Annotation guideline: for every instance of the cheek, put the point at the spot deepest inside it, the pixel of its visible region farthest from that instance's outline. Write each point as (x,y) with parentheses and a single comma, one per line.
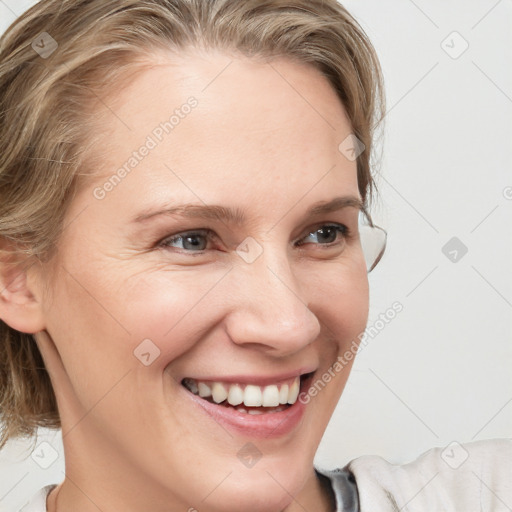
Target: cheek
(104,324)
(114,310)
(175,309)
(344,314)
(340,296)
(353,314)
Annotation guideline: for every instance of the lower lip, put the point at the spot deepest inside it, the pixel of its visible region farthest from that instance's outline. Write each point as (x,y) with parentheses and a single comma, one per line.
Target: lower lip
(269,425)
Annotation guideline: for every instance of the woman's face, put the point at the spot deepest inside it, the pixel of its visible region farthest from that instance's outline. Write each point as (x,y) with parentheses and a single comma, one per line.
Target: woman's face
(259,298)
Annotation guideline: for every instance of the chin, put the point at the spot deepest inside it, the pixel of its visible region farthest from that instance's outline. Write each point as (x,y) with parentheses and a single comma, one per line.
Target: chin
(249,499)
(270,488)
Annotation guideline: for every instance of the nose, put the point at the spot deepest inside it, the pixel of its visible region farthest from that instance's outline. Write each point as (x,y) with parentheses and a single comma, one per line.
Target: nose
(269,311)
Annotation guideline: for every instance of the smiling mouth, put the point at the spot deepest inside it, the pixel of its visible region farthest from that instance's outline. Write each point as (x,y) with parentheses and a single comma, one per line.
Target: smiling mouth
(249,398)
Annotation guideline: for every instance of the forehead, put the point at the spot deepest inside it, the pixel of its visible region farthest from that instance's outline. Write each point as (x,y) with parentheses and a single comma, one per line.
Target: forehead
(223,121)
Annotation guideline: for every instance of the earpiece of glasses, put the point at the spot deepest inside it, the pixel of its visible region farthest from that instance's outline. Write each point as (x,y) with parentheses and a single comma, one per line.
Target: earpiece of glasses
(373,240)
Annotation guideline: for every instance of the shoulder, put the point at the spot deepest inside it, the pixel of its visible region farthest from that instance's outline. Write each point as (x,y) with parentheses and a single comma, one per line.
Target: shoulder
(474,476)
(38,501)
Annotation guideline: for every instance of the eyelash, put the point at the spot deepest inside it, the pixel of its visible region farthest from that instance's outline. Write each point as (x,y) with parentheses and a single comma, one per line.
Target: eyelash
(164,244)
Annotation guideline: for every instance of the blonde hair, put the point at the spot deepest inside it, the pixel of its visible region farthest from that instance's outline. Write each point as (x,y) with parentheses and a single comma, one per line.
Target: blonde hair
(48,88)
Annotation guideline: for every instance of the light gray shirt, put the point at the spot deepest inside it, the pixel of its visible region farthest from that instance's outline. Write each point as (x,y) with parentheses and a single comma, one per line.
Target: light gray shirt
(472,477)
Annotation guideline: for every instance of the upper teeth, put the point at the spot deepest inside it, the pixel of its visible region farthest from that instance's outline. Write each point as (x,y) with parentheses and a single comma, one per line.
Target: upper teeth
(250,395)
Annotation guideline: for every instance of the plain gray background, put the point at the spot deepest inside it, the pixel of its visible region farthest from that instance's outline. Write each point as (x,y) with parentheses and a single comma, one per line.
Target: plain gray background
(440,371)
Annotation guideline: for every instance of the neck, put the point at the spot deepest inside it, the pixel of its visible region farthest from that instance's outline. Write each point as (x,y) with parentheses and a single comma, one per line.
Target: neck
(316,495)
(51,499)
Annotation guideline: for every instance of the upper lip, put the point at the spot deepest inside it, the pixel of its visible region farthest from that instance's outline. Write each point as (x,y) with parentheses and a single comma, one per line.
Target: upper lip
(259,380)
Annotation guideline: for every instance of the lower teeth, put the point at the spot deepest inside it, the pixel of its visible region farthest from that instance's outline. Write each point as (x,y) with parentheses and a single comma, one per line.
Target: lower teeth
(257,410)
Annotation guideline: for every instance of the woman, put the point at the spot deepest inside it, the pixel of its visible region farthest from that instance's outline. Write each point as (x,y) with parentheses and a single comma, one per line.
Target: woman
(184,196)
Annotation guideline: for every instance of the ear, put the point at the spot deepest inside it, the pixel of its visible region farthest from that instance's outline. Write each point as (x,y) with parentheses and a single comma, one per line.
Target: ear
(20,306)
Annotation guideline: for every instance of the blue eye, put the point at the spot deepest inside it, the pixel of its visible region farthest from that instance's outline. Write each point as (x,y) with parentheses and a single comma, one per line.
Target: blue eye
(190,239)
(329,233)
(198,239)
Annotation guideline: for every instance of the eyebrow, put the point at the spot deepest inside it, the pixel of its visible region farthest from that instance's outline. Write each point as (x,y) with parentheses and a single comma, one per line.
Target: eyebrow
(236,215)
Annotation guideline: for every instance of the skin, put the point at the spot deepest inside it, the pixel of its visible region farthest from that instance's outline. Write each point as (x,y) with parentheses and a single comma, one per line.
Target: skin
(254,141)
